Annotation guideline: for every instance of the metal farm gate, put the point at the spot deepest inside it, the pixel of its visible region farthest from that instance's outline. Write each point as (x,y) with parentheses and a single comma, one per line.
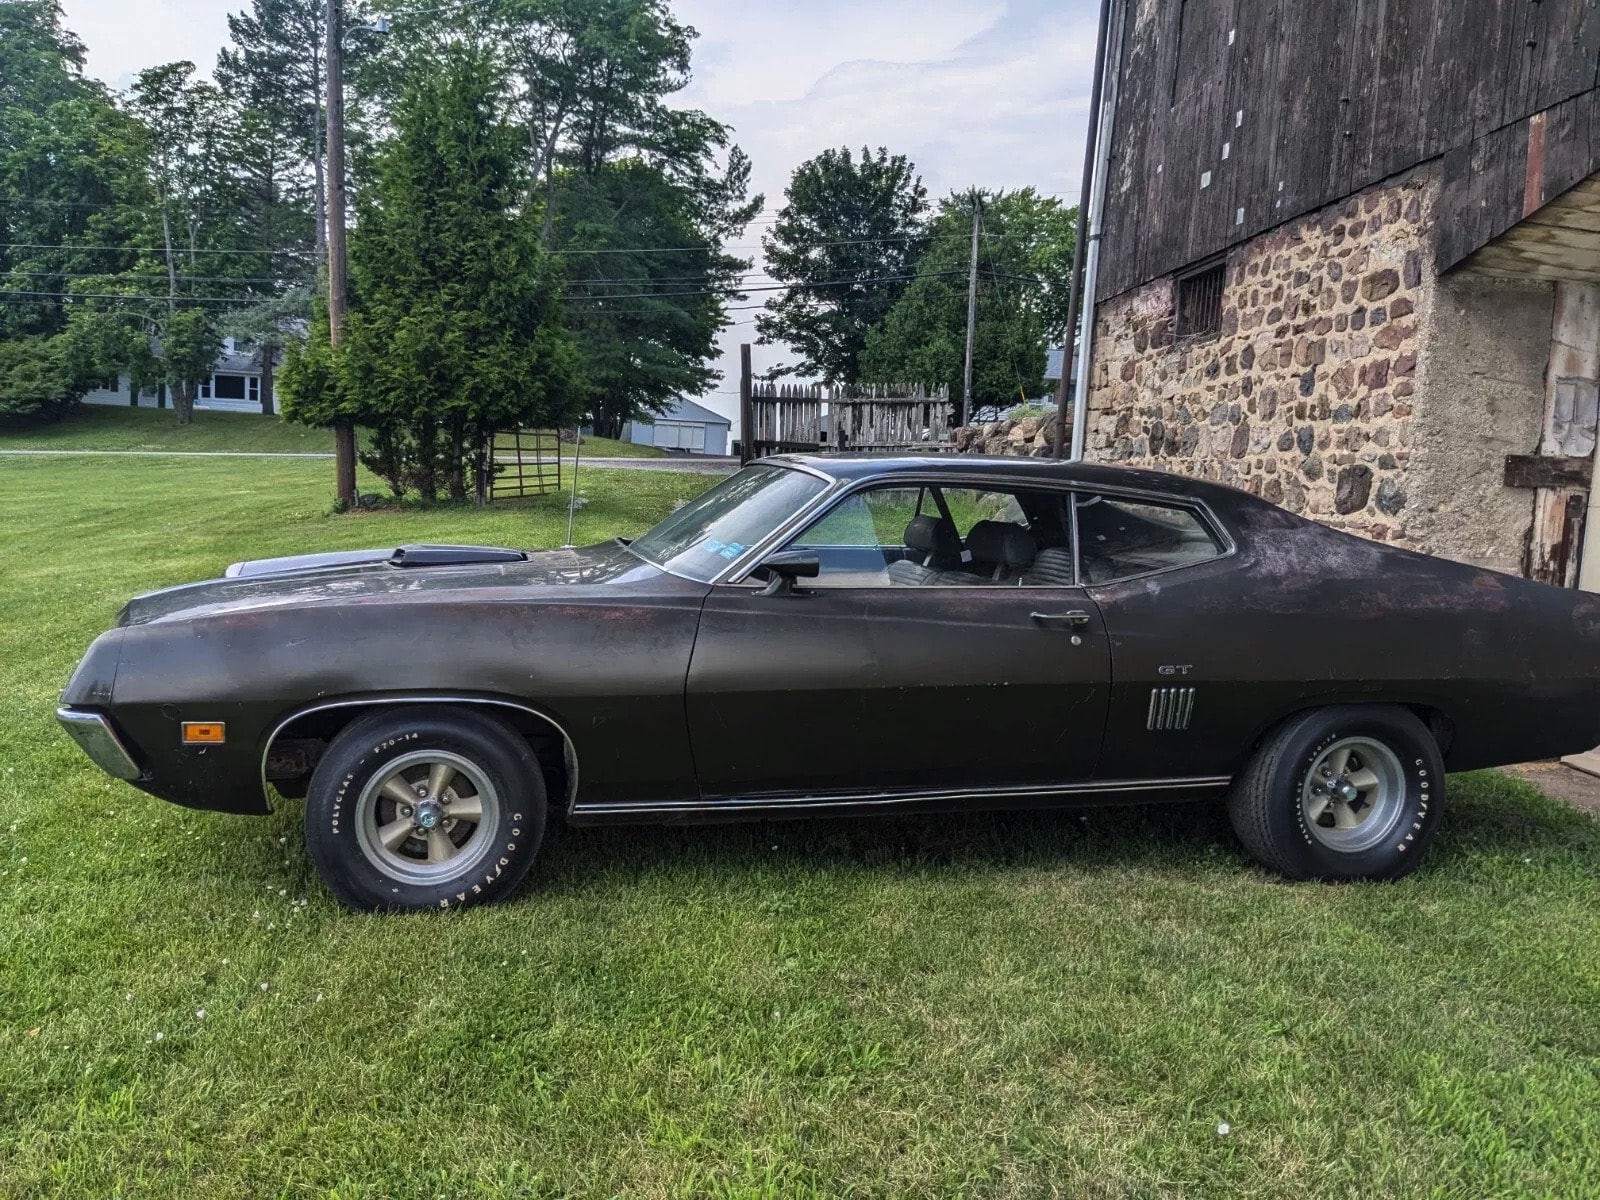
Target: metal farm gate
(527,462)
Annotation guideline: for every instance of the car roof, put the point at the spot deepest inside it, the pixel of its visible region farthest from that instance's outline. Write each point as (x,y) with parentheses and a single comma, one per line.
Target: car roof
(1014,469)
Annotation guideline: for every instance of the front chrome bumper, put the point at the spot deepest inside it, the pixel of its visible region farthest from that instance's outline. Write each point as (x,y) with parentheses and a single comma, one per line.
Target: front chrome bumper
(95,736)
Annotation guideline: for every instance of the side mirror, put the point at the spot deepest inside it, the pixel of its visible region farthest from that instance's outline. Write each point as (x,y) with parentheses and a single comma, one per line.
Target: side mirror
(786,566)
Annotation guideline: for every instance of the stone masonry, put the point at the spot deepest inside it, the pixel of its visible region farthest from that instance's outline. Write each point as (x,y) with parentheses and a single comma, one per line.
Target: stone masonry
(1306,395)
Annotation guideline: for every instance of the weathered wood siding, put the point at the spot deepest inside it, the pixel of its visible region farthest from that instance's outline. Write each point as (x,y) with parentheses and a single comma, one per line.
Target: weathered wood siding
(1234,116)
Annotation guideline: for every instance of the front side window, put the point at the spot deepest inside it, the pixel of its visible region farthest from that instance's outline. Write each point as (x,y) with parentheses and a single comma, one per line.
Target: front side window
(713,531)
(1121,538)
(920,535)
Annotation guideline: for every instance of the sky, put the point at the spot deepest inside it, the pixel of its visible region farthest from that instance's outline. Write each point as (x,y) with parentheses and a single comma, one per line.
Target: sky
(990,93)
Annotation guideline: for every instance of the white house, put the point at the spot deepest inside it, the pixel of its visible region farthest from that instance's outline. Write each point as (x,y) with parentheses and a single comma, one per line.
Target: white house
(234,386)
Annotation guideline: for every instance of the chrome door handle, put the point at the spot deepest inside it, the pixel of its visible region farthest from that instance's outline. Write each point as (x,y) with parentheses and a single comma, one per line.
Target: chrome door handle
(1067,620)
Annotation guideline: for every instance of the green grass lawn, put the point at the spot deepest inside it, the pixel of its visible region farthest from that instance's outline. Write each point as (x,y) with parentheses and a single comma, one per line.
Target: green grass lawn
(110,427)
(1064,1004)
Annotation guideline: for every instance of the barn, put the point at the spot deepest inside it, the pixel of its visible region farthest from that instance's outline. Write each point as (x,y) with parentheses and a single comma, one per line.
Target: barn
(1350,260)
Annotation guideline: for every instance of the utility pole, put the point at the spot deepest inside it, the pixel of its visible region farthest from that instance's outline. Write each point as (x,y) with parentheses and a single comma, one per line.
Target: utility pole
(344,433)
(747,418)
(964,413)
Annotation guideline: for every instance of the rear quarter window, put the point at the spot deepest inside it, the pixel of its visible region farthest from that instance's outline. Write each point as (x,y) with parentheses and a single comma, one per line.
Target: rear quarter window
(1119,538)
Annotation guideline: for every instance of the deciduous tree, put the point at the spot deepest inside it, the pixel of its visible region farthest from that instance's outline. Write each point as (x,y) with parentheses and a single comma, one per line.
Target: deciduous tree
(1024,254)
(844,243)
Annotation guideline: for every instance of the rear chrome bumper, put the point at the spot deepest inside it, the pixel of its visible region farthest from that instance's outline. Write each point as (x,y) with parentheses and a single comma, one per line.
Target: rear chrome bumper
(95,736)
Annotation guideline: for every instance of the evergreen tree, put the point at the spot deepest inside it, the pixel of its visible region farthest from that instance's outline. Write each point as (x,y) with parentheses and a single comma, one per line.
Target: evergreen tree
(636,195)
(455,329)
(277,68)
(844,242)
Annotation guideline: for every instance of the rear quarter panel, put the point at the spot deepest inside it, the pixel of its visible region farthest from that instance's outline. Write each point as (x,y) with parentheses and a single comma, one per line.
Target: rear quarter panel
(1302,615)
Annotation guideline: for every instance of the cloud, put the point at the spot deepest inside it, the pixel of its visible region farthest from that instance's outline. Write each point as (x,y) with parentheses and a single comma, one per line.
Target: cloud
(776,51)
(126,36)
(973,93)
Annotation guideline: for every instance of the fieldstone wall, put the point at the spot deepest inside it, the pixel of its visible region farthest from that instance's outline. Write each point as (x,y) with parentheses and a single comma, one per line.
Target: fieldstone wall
(1025,437)
(1307,395)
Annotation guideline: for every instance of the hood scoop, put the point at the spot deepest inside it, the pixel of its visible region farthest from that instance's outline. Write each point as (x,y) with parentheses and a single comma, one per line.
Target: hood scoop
(448,556)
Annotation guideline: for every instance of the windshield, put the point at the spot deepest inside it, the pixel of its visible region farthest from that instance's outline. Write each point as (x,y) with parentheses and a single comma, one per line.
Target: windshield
(704,537)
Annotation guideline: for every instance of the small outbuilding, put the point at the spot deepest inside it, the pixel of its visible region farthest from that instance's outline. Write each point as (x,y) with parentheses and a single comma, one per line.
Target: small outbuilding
(685,428)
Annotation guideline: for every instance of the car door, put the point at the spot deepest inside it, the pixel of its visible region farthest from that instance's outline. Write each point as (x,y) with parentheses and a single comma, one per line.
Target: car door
(941,676)
(1187,694)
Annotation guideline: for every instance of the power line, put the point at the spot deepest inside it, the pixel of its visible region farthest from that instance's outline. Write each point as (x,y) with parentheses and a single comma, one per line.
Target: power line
(564,253)
(152,299)
(147,249)
(143,275)
(734,246)
(607,312)
(783,287)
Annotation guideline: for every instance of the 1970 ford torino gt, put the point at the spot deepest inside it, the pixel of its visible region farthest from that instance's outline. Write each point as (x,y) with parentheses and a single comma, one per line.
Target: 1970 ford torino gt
(843,636)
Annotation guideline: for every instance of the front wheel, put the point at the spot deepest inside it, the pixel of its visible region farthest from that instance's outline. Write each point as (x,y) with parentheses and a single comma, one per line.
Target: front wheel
(425,807)
(1348,792)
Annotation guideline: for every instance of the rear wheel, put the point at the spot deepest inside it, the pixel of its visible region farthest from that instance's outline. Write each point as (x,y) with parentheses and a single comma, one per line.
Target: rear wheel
(1348,792)
(425,807)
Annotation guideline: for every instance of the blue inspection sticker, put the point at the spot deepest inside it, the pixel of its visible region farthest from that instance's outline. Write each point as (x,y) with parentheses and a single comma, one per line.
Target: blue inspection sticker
(732,550)
(712,546)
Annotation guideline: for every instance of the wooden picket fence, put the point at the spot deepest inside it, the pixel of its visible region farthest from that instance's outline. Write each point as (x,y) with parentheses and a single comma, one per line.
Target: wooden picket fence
(788,418)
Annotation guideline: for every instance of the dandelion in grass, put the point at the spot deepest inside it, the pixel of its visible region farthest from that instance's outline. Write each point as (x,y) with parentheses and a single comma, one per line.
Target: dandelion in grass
(1223,1129)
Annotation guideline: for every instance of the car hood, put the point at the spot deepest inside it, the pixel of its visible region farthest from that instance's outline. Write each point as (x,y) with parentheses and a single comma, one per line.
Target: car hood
(363,574)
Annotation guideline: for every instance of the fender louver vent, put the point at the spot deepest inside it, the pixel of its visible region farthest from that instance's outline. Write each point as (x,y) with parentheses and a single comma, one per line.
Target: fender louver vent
(1170,708)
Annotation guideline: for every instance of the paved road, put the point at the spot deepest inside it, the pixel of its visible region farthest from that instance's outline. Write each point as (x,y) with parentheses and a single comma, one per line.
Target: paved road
(698,464)
(164,453)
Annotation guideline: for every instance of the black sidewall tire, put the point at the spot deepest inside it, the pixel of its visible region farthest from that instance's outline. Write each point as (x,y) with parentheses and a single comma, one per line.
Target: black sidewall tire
(370,744)
(1294,750)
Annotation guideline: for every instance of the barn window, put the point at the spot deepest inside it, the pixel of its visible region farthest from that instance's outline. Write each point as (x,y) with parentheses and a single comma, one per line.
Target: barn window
(1199,301)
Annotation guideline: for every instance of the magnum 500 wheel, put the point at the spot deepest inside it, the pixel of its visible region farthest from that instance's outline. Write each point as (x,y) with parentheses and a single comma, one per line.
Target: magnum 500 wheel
(1349,792)
(425,807)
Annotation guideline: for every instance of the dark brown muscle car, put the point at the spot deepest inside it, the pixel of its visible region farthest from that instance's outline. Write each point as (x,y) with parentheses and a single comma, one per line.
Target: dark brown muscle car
(844,636)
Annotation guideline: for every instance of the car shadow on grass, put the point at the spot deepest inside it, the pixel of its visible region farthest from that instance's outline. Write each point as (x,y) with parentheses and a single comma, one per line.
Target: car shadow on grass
(1487,815)
(1489,818)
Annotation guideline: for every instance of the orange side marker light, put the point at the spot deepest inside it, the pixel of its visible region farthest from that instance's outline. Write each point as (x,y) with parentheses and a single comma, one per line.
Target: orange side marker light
(203,733)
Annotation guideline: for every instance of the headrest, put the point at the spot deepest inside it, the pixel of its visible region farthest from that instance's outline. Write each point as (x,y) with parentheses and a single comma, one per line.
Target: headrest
(936,537)
(1002,543)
